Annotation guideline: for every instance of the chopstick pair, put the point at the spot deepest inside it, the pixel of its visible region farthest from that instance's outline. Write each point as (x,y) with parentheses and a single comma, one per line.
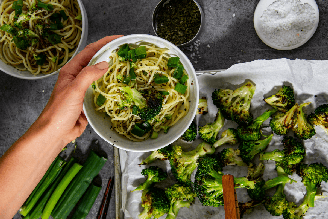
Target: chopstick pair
(231,207)
(106,199)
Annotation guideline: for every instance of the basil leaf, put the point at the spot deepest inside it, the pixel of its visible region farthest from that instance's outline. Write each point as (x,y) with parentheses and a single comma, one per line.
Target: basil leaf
(132,55)
(100,100)
(184,79)
(141,52)
(178,72)
(160,79)
(123,51)
(180,88)
(173,62)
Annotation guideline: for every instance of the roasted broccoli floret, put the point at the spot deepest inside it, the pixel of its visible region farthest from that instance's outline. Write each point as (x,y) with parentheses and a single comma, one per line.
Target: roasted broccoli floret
(154,174)
(320,117)
(183,163)
(312,176)
(154,105)
(302,128)
(255,171)
(160,154)
(253,131)
(202,106)
(155,203)
(229,156)
(248,149)
(208,181)
(209,131)
(292,154)
(179,196)
(228,136)
(277,204)
(235,104)
(283,100)
(258,193)
(281,122)
(191,133)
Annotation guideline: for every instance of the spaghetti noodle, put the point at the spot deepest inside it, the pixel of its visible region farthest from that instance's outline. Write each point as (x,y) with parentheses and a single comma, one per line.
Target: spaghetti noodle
(39,36)
(136,77)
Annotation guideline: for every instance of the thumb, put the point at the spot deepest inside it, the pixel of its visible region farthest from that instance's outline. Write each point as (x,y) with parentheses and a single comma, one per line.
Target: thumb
(88,75)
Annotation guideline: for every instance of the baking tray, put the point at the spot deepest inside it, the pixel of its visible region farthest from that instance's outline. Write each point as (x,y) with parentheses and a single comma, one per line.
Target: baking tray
(117,165)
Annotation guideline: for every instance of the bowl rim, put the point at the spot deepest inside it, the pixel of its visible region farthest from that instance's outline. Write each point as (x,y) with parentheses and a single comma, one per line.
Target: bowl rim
(122,40)
(80,46)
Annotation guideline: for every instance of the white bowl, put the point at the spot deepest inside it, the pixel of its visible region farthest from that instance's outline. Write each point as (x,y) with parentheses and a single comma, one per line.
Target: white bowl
(263,5)
(27,75)
(102,124)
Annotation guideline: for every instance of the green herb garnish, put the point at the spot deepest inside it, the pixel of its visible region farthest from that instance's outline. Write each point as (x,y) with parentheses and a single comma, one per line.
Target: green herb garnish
(141,52)
(184,79)
(132,74)
(160,79)
(178,21)
(178,72)
(173,62)
(180,88)
(100,100)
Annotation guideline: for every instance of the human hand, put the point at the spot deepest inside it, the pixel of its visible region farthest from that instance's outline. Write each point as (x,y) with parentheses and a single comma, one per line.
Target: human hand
(64,110)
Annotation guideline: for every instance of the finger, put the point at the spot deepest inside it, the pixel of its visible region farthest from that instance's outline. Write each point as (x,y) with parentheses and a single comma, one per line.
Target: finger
(83,58)
(87,76)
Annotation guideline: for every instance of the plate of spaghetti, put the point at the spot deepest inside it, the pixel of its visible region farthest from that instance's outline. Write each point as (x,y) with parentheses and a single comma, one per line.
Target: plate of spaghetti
(147,98)
(38,37)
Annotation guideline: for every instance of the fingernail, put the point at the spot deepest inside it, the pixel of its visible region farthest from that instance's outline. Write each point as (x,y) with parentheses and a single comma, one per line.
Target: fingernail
(102,65)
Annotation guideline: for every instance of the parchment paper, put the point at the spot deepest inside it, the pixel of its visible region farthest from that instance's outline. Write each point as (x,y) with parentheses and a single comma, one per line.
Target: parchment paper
(309,80)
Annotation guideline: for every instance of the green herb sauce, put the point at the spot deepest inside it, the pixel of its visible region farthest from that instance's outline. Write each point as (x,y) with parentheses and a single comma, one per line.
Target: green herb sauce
(178,21)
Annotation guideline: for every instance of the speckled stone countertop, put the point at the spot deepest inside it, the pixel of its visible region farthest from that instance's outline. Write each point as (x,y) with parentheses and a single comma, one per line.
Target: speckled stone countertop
(227,37)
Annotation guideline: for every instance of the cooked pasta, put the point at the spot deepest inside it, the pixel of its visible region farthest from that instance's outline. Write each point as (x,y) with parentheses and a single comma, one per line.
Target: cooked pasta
(125,92)
(39,36)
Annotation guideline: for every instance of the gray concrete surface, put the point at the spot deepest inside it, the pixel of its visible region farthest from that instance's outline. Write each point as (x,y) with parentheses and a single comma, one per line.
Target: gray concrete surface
(227,37)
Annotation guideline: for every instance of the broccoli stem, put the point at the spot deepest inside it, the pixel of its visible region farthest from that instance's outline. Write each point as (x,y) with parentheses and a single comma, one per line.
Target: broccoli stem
(311,191)
(174,210)
(153,156)
(275,155)
(282,179)
(243,182)
(260,145)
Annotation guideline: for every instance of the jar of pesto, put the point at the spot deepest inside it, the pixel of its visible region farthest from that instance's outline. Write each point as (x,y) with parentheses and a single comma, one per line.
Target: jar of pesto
(178,21)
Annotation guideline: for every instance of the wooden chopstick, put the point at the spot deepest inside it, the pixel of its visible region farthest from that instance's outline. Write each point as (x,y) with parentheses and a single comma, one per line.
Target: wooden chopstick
(106,199)
(230,198)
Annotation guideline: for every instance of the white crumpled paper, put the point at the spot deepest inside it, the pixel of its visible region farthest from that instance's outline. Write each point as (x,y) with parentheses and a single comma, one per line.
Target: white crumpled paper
(309,80)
